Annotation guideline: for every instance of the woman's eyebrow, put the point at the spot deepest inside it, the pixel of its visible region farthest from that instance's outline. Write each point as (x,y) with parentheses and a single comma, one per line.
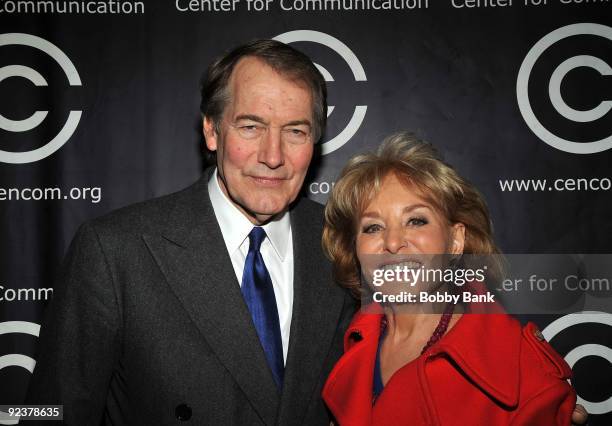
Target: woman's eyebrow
(416,206)
(369,214)
(409,208)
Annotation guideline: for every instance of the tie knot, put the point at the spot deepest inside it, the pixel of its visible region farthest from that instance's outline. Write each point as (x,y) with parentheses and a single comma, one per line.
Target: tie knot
(256,237)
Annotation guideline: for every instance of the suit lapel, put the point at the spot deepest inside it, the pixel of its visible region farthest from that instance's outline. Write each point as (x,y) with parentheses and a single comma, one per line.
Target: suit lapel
(192,255)
(316,310)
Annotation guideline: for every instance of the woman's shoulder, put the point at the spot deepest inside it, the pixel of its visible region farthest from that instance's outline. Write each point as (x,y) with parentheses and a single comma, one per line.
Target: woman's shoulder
(541,367)
(507,360)
(545,392)
(539,356)
(539,364)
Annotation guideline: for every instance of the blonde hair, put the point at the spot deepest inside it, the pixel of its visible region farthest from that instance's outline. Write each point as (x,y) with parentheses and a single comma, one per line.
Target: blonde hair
(418,164)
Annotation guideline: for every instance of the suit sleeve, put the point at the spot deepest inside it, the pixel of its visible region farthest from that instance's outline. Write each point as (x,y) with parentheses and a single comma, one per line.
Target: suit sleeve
(553,406)
(79,339)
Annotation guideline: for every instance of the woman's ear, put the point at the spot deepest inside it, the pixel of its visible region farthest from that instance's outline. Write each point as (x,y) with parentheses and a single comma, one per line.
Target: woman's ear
(457,238)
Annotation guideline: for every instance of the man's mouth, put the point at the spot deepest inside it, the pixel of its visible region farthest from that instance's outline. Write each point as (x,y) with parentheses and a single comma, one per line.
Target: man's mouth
(267,180)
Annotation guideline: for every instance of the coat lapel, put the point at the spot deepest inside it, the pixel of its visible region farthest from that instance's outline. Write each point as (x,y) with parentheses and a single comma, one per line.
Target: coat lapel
(317,306)
(348,390)
(192,255)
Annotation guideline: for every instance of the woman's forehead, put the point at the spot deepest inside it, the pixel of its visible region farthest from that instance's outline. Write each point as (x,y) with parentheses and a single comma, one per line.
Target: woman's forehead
(395,184)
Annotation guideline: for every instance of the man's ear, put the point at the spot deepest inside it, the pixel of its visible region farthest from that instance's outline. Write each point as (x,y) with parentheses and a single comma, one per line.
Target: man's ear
(457,238)
(210,133)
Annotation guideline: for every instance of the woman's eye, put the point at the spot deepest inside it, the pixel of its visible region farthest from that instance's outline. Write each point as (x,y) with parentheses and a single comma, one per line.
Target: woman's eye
(369,229)
(417,221)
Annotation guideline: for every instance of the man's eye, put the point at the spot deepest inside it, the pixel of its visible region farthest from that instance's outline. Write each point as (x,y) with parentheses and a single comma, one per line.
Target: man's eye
(295,135)
(250,131)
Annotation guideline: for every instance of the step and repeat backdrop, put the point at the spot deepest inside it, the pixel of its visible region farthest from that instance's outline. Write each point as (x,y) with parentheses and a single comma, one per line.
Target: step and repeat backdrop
(99,108)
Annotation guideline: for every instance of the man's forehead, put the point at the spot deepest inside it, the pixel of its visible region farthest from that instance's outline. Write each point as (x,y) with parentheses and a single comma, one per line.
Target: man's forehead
(247,68)
(250,69)
(253,80)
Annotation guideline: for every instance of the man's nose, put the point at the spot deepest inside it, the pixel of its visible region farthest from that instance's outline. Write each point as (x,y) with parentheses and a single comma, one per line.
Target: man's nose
(271,149)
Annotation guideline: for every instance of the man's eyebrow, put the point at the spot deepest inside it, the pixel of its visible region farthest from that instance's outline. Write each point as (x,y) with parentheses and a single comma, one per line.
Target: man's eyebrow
(250,117)
(299,123)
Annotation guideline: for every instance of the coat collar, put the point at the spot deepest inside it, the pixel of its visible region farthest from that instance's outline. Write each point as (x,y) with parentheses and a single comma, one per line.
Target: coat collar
(485,347)
(348,390)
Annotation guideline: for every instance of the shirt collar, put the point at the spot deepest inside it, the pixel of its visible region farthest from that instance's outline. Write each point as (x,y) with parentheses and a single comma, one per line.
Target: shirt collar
(235,227)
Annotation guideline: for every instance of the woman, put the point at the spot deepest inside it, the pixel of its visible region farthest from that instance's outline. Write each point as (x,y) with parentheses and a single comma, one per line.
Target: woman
(422,363)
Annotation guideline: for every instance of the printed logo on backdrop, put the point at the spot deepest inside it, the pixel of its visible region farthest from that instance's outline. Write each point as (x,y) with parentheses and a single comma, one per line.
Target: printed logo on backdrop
(557,82)
(359,112)
(603,405)
(17,360)
(25,124)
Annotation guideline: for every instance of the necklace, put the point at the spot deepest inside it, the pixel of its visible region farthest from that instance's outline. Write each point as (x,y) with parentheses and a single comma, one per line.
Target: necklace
(441,327)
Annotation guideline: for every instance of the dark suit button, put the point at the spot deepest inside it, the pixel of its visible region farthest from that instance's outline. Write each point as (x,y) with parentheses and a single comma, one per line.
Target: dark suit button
(183,412)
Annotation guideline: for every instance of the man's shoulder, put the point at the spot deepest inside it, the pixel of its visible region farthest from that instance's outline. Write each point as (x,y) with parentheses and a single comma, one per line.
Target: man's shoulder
(150,215)
(308,210)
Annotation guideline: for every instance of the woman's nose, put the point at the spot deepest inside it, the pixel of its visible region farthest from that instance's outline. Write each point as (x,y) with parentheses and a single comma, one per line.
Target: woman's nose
(395,239)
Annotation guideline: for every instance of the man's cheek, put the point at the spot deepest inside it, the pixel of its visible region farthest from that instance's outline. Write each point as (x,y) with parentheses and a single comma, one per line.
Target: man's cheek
(307,158)
(236,165)
(301,163)
(237,151)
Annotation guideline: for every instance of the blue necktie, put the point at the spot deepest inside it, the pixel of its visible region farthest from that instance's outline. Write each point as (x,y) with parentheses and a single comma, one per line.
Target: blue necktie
(258,294)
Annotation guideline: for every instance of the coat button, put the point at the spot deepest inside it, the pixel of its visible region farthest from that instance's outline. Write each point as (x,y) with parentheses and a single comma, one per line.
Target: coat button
(356,336)
(183,412)
(538,335)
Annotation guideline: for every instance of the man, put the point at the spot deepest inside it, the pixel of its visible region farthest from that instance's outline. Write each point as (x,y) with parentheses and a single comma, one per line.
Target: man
(213,305)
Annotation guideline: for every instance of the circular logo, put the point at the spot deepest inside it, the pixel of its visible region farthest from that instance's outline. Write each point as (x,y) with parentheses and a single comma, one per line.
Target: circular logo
(554,89)
(38,80)
(582,351)
(17,360)
(356,68)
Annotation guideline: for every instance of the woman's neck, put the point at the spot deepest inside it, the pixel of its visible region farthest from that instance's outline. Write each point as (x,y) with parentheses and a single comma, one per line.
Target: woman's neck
(416,321)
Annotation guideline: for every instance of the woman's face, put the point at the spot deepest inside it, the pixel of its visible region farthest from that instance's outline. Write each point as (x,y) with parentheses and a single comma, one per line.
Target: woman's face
(398,221)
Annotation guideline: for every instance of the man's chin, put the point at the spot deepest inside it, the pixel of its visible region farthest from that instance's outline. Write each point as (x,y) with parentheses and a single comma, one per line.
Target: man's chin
(269,213)
(260,209)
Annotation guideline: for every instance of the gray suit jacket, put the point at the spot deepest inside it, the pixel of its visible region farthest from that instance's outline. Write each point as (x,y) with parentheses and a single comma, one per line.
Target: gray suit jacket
(148,325)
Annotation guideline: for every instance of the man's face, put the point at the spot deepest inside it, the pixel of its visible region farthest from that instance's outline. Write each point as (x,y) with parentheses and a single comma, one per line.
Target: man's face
(264,145)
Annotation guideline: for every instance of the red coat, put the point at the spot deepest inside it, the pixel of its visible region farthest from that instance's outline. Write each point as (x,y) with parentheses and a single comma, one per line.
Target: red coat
(487,370)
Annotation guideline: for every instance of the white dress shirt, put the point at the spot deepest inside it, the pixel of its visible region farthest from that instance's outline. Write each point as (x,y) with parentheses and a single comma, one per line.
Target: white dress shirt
(276,250)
